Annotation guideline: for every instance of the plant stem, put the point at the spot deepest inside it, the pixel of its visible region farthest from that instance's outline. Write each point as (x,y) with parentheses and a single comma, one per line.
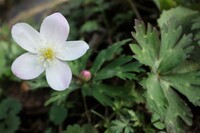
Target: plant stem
(86,109)
(132,4)
(60,128)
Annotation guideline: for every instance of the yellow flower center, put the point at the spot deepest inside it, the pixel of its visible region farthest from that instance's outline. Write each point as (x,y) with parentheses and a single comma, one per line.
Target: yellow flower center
(47,54)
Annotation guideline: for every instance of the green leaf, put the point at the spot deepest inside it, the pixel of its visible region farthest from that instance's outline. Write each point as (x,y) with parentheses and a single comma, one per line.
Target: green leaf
(60,96)
(167,104)
(106,94)
(78,65)
(40,82)
(187,66)
(120,67)
(89,128)
(148,49)
(2,57)
(155,96)
(90,26)
(171,72)
(173,44)
(9,106)
(196,29)
(137,93)
(177,112)
(86,128)
(57,114)
(74,129)
(196,24)
(155,120)
(48,130)
(106,55)
(165,4)
(186,83)
(119,126)
(182,15)
(101,95)
(10,124)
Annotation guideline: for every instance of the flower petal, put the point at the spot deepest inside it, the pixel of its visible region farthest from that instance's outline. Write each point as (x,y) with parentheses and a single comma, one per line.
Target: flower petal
(55,28)
(72,50)
(26,37)
(58,75)
(27,66)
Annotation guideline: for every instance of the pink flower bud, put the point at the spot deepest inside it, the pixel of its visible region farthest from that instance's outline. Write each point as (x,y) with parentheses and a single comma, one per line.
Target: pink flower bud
(86,75)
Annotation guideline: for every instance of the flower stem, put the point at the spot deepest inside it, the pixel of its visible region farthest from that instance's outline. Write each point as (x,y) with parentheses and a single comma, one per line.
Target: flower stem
(132,4)
(86,109)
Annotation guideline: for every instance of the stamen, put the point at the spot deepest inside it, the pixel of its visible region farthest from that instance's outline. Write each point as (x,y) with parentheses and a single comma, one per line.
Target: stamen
(48,53)
(47,56)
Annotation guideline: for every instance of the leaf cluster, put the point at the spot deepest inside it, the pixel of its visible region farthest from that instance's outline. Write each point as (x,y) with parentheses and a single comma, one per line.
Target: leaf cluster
(127,122)
(8,52)
(167,4)
(9,108)
(171,72)
(86,128)
(57,114)
(107,66)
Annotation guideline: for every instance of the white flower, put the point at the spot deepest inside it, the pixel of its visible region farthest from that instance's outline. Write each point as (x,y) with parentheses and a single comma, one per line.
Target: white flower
(47,51)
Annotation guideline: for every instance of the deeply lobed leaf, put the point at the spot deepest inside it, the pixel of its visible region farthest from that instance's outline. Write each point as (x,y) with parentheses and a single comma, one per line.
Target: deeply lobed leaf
(182,15)
(196,29)
(177,111)
(174,47)
(107,54)
(120,67)
(148,49)
(186,83)
(106,94)
(170,73)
